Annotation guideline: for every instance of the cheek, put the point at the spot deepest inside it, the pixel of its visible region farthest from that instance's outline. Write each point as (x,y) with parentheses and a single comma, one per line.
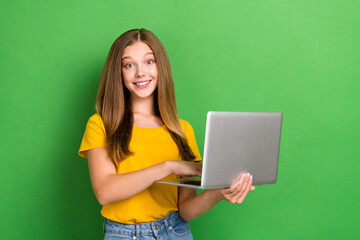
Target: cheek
(153,72)
(127,76)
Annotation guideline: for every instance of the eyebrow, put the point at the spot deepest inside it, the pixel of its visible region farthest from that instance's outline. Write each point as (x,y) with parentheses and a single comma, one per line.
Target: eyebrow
(144,55)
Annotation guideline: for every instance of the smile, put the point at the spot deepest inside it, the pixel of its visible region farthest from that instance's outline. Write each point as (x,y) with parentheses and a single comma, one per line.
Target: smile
(142,84)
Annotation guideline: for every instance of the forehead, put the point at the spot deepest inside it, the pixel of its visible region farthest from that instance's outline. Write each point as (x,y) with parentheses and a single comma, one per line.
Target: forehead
(138,49)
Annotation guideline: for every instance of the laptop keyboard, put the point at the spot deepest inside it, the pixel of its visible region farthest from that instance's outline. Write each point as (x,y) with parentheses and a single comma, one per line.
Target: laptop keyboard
(191,182)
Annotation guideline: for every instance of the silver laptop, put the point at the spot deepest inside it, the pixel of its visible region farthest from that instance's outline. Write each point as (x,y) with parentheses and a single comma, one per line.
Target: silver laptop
(237,142)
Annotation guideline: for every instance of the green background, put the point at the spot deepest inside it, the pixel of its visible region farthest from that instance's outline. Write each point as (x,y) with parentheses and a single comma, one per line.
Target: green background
(301,58)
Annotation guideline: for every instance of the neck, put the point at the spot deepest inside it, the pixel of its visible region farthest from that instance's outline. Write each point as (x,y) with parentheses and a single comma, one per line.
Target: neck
(144,113)
(143,105)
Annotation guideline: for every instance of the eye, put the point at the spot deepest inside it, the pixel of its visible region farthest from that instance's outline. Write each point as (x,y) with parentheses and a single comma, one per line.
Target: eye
(150,61)
(129,65)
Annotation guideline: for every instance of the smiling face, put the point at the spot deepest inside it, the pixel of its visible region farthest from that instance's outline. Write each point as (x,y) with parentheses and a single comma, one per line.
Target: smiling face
(139,70)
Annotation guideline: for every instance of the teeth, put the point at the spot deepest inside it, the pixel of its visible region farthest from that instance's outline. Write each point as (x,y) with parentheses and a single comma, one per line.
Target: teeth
(142,84)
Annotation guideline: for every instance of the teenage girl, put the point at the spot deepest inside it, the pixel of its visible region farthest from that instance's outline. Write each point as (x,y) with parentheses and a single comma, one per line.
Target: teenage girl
(136,138)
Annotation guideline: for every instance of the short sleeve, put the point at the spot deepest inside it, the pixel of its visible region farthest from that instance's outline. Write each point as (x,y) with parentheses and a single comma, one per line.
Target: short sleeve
(94,135)
(190,135)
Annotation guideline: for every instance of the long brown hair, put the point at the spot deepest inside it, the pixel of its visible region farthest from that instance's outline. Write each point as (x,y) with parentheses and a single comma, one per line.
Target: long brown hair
(113,98)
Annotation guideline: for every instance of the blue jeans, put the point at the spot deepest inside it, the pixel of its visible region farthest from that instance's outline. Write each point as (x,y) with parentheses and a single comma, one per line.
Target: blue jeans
(169,227)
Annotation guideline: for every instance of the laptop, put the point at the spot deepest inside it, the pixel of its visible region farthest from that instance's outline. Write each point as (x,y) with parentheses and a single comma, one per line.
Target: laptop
(237,142)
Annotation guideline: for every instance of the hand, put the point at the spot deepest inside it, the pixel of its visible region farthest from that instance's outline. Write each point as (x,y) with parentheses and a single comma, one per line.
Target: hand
(238,191)
(184,168)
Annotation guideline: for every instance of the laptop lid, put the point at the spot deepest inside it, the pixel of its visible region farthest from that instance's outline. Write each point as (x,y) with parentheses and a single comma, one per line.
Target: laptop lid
(237,142)
(241,141)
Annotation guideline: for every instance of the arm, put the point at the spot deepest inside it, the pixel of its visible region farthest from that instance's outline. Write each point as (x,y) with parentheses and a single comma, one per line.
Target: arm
(192,205)
(110,187)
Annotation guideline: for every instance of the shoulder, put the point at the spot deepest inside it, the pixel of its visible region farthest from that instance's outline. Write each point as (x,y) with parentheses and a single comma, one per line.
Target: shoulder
(96,121)
(96,118)
(186,126)
(183,123)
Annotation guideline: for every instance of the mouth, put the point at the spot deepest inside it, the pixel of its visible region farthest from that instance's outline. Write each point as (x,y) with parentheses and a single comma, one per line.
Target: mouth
(142,84)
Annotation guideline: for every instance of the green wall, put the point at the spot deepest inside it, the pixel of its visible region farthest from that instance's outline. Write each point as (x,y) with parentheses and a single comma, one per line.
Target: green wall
(297,57)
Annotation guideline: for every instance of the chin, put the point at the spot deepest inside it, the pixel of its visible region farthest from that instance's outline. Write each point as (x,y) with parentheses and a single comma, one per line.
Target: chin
(143,95)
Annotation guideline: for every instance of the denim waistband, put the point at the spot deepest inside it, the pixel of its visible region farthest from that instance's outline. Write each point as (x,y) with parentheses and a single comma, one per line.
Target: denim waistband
(142,229)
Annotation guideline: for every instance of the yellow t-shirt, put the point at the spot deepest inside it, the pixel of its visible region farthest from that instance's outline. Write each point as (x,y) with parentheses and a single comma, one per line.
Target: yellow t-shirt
(150,146)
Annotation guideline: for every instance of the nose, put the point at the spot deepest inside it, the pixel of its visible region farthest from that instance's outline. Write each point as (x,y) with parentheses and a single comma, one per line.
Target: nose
(140,71)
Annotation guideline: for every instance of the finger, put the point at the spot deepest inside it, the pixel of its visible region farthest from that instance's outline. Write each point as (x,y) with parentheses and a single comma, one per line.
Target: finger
(247,190)
(194,168)
(227,192)
(250,181)
(245,183)
(234,190)
(243,196)
(230,196)
(236,187)
(199,169)
(230,190)
(245,187)
(231,193)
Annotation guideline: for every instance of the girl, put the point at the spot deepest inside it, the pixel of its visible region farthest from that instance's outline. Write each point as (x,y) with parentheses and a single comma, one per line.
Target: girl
(136,138)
